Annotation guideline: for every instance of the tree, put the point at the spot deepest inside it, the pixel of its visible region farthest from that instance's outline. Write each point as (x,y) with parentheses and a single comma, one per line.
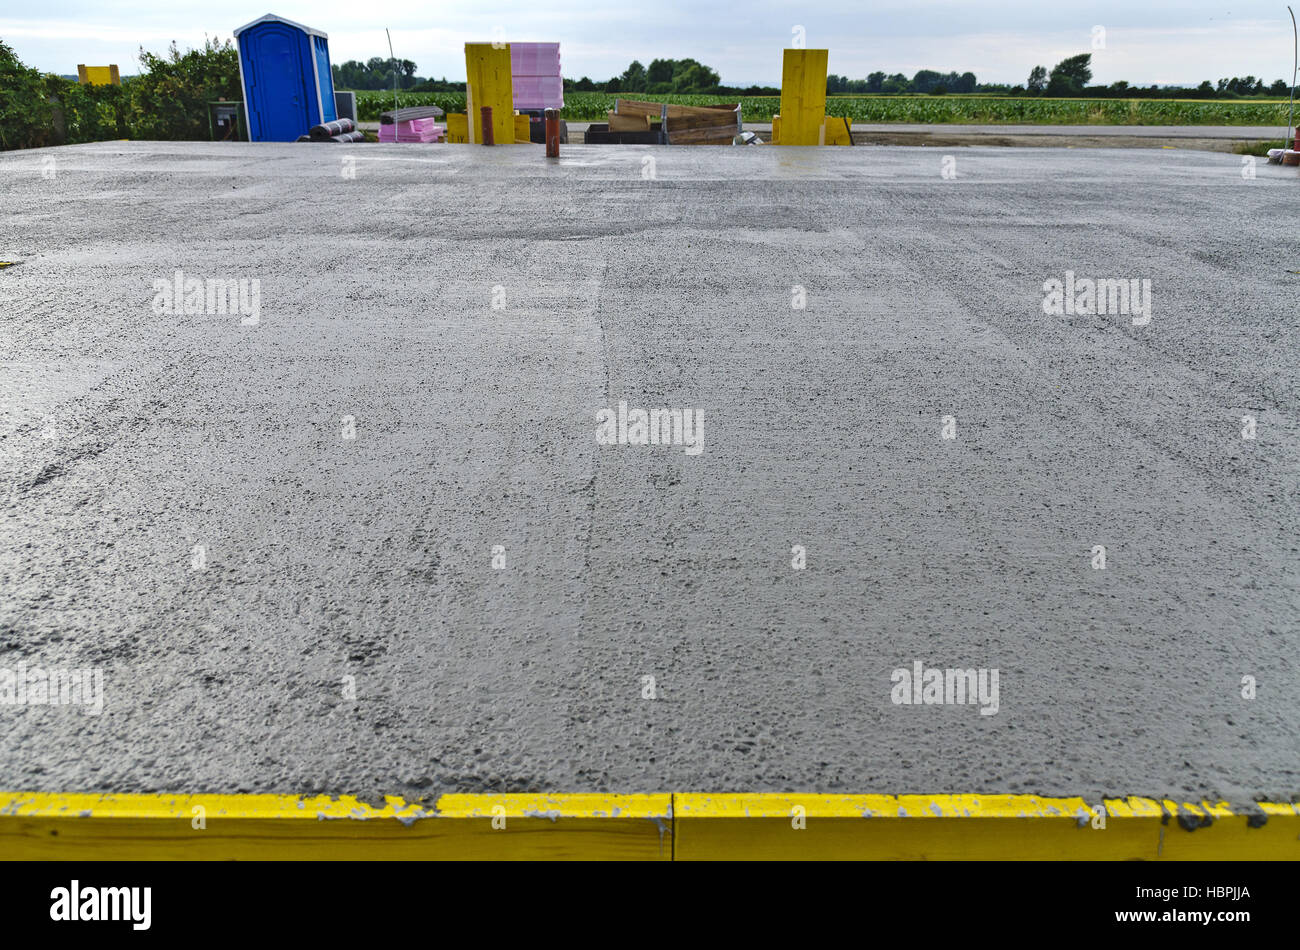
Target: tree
(1279,88)
(875,81)
(1037,79)
(169,99)
(633,78)
(24,114)
(925,80)
(691,76)
(895,84)
(659,71)
(1069,76)
(584,85)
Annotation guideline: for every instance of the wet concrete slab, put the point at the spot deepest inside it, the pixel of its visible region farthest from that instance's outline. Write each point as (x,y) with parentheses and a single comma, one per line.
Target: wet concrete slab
(373,540)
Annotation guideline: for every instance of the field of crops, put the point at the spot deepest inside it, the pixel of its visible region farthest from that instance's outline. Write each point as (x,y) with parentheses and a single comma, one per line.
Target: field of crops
(591,106)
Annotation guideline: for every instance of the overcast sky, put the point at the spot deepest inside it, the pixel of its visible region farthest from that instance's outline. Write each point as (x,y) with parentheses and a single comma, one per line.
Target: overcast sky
(1154,42)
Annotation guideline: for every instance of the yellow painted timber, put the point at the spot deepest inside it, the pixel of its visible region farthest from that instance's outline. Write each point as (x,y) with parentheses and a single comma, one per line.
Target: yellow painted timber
(98,75)
(522,123)
(837,131)
(489,83)
(457,127)
(956,827)
(776,130)
(1209,831)
(803,96)
(886,827)
(269,827)
(688,826)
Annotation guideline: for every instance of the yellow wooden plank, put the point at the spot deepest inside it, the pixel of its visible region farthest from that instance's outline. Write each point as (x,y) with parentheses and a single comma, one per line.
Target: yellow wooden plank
(837,131)
(457,127)
(1211,831)
(690,826)
(98,75)
(906,827)
(489,83)
(268,827)
(803,96)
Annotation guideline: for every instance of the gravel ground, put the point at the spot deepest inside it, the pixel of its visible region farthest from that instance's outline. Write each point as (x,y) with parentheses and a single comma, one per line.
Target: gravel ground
(276,606)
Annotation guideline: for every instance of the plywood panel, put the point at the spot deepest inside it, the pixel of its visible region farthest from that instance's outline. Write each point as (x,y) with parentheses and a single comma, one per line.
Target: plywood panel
(803,96)
(489,83)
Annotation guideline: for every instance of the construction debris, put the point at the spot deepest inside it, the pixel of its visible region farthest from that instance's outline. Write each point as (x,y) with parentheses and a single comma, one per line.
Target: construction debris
(636,122)
(328,131)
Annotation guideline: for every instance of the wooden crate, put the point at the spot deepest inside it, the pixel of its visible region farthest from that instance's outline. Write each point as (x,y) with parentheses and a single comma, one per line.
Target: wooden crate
(628,123)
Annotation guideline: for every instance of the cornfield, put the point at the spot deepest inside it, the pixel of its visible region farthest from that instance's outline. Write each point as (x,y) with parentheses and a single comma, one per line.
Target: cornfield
(592,106)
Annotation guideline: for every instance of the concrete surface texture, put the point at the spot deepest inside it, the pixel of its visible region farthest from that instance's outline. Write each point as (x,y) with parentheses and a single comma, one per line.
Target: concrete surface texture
(372,544)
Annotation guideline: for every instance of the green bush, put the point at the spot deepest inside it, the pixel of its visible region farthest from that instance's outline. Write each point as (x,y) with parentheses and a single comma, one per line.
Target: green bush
(169,99)
(26,117)
(90,113)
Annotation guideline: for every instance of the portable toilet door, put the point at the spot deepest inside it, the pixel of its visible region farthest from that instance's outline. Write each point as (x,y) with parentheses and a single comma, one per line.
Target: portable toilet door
(284,68)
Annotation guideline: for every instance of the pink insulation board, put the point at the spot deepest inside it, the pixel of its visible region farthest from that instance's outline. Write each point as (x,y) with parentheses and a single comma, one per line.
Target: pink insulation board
(535,75)
(412,130)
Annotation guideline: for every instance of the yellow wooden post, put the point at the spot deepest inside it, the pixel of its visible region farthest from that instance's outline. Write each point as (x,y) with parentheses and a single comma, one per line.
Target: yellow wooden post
(487,69)
(803,96)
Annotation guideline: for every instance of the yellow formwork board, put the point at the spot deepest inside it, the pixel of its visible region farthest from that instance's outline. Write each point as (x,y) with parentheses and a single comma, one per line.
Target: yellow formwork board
(457,127)
(803,96)
(837,131)
(964,827)
(98,75)
(489,83)
(37,826)
(1210,831)
(651,827)
(522,123)
(888,827)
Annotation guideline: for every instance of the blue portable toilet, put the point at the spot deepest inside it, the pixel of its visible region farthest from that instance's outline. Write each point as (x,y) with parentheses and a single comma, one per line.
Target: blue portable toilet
(284,68)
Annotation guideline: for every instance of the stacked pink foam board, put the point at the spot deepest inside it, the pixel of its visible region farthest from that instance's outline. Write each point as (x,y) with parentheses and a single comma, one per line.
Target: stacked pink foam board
(535,75)
(412,130)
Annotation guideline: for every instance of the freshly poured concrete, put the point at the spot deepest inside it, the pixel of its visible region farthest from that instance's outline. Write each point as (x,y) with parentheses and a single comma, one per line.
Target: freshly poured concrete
(130,437)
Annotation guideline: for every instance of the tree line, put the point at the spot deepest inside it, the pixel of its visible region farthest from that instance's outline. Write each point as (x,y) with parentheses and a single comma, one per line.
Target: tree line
(1069,78)
(167,99)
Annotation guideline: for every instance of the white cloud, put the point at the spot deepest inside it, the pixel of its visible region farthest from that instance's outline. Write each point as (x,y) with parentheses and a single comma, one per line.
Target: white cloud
(1153,42)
